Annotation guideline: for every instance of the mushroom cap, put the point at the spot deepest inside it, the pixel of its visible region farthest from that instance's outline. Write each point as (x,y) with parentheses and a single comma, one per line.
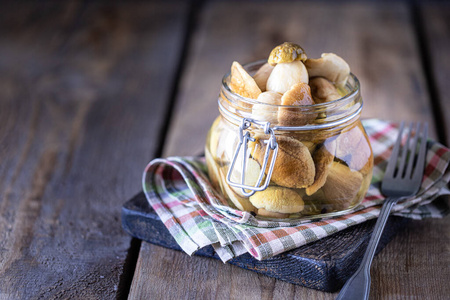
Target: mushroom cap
(341,186)
(294,166)
(242,83)
(322,90)
(323,157)
(331,66)
(266,213)
(286,52)
(278,199)
(299,94)
(354,148)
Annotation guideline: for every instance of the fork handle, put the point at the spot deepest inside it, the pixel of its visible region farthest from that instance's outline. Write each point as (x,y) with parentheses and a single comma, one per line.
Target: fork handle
(358,286)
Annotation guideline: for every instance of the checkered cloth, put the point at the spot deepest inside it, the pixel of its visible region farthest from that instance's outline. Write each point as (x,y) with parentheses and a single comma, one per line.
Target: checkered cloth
(179,191)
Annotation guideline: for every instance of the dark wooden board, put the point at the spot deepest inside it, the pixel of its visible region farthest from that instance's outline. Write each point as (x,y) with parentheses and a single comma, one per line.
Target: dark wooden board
(83,94)
(323,265)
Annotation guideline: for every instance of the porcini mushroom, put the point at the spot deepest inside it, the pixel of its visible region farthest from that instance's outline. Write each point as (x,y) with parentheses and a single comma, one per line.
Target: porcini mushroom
(294,166)
(341,186)
(278,199)
(267,112)
(242,83)
(298,95)
(330,66)
(323,90)
(262,75)
(285,53)
(354,148)
(285,75)
(323,158)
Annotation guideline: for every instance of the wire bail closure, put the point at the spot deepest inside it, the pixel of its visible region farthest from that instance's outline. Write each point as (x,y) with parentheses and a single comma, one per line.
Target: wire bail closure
(244,138)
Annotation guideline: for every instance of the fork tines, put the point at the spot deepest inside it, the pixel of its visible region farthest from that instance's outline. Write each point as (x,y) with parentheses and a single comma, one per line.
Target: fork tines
(410,153)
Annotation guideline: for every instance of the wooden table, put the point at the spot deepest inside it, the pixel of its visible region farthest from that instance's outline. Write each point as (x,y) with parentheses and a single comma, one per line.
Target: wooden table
(91,91)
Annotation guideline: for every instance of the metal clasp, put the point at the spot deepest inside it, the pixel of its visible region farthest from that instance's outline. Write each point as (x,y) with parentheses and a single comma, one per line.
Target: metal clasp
(272,145)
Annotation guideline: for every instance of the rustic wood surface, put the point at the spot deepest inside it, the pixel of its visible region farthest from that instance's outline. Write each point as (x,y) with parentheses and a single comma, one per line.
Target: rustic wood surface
(380,44)
(91,91)
(83,95)
(436,27)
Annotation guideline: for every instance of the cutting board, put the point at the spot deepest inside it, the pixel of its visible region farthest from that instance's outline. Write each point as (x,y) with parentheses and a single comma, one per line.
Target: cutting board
(323,265)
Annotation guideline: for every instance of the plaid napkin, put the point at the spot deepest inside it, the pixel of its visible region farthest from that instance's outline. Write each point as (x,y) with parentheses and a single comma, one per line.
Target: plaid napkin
(196,215)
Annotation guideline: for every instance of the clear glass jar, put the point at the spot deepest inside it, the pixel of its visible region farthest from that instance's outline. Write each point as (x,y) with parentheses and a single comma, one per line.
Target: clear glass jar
(290,161)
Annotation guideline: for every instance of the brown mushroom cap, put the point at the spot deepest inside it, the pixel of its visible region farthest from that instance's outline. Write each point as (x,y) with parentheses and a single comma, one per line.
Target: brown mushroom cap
(323,90)
(294,166)
(242,83)
(341,186)
(278,199)
(354,148)
(286,52)
(331,66)
(298,95)
(266,213)
(323,157)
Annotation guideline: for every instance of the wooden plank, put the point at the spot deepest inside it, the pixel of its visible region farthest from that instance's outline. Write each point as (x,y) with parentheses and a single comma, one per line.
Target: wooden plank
(378,41)
(83,94)
(416,265)
(436,21)
(420,256)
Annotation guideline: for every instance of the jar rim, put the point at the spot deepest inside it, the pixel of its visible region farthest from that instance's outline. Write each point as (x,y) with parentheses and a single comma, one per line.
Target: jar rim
(334,113)
(355,89)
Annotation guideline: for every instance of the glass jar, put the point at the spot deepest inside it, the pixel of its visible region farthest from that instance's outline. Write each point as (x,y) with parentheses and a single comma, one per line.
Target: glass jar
(290,161)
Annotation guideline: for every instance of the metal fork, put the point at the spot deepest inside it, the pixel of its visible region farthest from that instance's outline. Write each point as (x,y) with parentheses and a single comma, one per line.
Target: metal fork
(402,179)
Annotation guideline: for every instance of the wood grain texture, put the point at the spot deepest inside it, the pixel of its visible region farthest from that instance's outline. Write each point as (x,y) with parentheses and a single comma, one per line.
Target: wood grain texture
(378,41)
(416,265)
(436,18)
(324,265)
(83,93)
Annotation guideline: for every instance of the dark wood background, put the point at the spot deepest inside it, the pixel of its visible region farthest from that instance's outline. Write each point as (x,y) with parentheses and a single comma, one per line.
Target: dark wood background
(92,91)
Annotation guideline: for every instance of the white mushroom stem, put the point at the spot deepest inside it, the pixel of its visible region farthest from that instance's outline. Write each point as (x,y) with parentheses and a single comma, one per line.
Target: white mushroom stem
(285,75)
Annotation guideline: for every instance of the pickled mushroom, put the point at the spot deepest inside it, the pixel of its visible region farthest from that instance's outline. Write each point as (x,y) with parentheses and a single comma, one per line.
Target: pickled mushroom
(299,94)
(323,158)
(323,90)
(294,166)
(278,199)
(330,66)
(285,53)
(252,172)
(266,213)
(285,75)
(341,186)
(267,113)
(262,75)
(354,148)
(242,83)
